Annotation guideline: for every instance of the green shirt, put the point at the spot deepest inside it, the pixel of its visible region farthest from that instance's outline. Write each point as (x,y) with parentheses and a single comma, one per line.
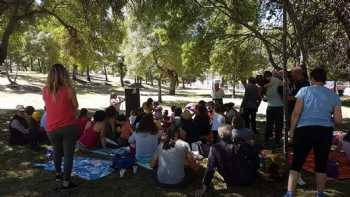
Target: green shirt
(274,99)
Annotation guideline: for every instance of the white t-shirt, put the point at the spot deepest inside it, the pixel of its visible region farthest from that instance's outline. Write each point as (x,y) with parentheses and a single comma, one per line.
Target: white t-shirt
(171,164)
(218,94)
(218,120)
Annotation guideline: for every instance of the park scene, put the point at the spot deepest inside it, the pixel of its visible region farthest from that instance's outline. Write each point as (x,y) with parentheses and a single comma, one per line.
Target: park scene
(241,98)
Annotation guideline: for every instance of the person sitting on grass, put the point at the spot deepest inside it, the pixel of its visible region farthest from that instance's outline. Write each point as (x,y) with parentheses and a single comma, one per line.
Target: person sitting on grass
(34,127)
(217,120)
(83,119)
(172,158)
(145,139)
(236,161)
(192,135)
(139,114)
(93,132)
(132,117)
(19,128)
(124,130)
(110,129)
(239,130)
(230,112)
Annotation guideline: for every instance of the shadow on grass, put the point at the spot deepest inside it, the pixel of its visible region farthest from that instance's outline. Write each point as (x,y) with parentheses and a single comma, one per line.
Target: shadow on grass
(19,178)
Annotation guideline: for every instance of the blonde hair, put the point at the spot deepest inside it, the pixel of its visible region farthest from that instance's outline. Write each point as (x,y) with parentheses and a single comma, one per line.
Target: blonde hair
(57,78)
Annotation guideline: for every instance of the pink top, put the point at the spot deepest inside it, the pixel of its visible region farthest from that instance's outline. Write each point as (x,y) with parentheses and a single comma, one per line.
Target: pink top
(90,137)
(60,111)
(82,124)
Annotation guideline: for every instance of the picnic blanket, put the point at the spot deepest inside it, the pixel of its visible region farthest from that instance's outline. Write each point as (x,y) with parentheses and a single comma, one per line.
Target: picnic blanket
(109,151)
(337,156)
(84,167)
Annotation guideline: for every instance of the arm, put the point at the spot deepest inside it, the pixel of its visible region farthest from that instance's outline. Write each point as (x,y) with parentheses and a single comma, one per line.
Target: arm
(132,139)
(74,98)
(17,125)
(268,84)
(102,139)
(154,162)
(337,115)
(191,162)
(298,108)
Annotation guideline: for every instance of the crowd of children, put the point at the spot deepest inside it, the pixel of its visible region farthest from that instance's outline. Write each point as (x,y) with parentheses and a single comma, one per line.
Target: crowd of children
(162,139)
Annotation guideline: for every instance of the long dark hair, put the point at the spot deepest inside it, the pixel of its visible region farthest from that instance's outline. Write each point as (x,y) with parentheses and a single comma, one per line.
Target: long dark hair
(171,138)
(147,125)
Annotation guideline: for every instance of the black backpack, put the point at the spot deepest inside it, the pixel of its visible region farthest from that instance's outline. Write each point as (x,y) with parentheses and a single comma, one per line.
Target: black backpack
(245,163)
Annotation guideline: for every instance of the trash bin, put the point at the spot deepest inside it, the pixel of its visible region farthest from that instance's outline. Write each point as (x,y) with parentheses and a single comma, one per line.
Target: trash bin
(132,100)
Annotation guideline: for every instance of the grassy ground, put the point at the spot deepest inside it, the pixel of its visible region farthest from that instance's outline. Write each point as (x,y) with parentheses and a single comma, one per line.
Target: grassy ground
(19,178)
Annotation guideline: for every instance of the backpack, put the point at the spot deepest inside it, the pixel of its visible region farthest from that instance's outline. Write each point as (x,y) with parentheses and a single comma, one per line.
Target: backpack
(245,163)
(122,160)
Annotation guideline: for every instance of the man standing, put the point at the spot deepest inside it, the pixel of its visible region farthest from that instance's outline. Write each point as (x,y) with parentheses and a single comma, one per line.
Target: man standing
(274,111)
(250,103)
(218,94)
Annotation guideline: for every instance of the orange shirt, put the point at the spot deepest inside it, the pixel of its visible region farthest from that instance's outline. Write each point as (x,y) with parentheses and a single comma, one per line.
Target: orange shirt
(125,130)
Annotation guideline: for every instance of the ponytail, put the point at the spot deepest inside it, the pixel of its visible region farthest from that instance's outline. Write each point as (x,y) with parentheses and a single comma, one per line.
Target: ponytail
(170,138)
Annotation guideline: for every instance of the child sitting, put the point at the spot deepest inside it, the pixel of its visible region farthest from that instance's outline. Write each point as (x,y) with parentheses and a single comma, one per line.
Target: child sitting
(145,138)
(132,117)
(171,158)
(83,119)
(93,133)
(240,131)
(124,129)
(110,131)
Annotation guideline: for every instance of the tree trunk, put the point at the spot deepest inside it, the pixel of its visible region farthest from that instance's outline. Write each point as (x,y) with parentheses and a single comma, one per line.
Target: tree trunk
(172,85)
(10,27)
(88,78)
(160,89)
(183,84)
(105,71)
(234,89)
(8,75)
(10,65)
(151,78)
(74,72)
(121,72)
(31,63)
(335,86)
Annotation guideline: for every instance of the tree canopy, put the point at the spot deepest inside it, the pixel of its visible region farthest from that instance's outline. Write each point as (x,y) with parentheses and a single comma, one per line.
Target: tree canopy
(174,40)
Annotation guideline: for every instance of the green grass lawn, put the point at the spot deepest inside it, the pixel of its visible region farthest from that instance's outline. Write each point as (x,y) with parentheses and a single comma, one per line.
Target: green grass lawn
(19,178)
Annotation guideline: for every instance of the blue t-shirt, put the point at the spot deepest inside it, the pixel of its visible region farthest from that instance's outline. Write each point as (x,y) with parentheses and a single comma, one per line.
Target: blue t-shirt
(319,103)
(146,145)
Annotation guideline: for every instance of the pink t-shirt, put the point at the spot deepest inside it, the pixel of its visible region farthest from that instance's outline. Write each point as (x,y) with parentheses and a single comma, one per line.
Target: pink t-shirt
(60,111)
(90,138)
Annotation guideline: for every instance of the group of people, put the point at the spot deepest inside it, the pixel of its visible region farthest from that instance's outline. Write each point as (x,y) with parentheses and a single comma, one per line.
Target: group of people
(26,128)
(169,140)
(313,109)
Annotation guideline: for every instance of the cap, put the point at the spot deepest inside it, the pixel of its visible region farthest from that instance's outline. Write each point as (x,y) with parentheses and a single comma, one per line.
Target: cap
(20,108)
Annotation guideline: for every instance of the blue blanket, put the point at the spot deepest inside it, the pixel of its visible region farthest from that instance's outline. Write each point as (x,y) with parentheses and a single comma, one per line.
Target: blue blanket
(108,151)
(84,167)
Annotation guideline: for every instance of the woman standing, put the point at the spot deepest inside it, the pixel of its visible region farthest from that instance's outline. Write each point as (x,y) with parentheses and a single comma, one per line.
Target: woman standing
(62,128)
(317,110)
